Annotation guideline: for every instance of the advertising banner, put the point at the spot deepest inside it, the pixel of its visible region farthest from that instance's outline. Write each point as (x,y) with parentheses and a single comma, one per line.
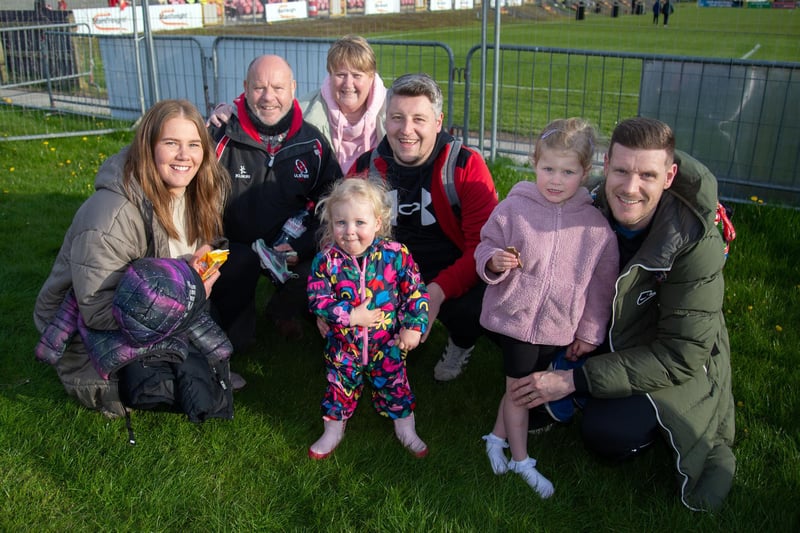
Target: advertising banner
(441,5)
(116,21)
(715,3)
(175,17)
(108,20)
(377,7)
(286,11)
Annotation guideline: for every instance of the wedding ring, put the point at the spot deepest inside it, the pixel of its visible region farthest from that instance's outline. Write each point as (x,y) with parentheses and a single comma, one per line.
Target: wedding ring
(530,397)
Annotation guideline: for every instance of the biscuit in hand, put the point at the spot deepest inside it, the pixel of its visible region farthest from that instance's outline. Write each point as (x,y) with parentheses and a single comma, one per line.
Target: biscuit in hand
(511,249)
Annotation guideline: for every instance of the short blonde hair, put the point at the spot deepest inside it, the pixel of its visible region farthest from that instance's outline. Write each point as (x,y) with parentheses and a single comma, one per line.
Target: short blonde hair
(370,190)
(353,51)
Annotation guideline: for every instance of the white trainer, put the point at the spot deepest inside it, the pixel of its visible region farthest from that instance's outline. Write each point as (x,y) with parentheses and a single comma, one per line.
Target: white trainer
(452,363)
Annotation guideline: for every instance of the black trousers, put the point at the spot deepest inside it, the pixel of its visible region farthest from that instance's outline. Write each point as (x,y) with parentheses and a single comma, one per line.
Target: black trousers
(461,316)
(233,297)
(620,427)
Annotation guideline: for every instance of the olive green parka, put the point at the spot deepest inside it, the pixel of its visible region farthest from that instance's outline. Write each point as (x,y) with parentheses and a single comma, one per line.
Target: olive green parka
(668,338)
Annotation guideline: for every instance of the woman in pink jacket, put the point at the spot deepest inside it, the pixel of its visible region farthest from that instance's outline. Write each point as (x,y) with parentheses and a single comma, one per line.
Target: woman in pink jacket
(550,260)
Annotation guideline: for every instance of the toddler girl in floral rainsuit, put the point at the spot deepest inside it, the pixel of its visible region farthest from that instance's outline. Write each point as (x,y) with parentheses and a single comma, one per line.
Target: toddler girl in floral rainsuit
(368,289)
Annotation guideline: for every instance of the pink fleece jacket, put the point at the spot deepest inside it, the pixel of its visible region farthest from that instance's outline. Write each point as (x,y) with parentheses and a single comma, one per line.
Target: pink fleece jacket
(570,263)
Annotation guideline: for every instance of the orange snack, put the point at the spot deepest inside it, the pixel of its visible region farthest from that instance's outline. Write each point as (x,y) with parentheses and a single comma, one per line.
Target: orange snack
(210,262)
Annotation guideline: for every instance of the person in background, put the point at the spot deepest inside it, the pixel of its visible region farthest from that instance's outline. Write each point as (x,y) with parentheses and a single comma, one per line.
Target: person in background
(369,290)
(666,368)
(549,259)
(348,109)
(279,166)
(656,11)
(442,193)
(160,197)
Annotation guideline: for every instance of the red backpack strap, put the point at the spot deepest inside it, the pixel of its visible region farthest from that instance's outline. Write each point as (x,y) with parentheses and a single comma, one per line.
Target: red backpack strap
(723,221)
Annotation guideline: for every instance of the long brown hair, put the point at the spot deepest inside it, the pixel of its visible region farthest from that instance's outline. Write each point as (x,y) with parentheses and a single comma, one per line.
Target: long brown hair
(206,193)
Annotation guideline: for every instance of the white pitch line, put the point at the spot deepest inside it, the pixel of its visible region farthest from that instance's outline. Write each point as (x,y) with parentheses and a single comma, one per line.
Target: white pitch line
(752,51)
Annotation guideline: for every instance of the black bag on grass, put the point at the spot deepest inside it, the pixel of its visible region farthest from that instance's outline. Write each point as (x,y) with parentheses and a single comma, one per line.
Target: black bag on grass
(196,386)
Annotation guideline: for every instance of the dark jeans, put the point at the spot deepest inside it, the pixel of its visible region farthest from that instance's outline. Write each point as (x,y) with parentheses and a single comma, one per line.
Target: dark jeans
(620,427)
(233,296)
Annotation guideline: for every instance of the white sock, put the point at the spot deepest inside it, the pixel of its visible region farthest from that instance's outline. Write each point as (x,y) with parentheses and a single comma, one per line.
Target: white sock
(527,469)
(330,439)
(494,450)
(406,432)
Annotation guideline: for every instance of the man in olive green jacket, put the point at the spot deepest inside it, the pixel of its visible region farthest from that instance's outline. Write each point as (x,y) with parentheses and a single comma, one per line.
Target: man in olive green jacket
(667,367)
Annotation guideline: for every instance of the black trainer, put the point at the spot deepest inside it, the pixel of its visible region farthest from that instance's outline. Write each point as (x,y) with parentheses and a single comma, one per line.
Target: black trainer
(540,421)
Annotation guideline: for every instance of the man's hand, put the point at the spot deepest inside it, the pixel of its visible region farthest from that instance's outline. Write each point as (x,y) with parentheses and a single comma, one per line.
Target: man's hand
(291,255)
(407,339)
(542,387)
(436,298)
(221,115)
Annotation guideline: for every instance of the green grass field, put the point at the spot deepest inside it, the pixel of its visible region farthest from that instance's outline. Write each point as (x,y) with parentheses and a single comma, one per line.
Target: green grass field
(64,468)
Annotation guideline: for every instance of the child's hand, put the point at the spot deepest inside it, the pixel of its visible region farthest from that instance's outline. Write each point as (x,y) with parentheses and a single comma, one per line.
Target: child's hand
(323,326)
(579,348)
(362,316)
(503,260)
(407,339)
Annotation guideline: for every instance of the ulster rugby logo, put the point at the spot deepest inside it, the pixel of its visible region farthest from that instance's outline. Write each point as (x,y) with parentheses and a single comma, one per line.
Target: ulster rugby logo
(300,170)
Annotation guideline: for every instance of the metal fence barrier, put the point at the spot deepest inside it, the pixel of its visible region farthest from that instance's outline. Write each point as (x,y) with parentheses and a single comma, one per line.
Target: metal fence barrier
(736,116)
(52,68)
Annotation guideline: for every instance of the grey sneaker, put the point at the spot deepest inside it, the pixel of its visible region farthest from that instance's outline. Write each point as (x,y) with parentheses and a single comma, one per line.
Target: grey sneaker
(452,363)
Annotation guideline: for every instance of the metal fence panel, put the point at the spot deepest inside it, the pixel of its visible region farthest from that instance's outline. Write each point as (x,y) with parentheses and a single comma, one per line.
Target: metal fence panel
(180,71)
(736,117)
(50,80)
(539,84)
(739,117)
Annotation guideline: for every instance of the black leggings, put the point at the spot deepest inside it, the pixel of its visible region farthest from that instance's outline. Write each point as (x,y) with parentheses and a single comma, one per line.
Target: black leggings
(619,428)
(521,358)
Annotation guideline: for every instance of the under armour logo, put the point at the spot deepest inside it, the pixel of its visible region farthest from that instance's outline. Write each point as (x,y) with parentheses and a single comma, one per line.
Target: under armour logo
(426,217)
(644,297)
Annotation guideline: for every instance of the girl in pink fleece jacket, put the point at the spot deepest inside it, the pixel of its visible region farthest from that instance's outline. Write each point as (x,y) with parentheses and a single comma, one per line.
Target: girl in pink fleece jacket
(550,260)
